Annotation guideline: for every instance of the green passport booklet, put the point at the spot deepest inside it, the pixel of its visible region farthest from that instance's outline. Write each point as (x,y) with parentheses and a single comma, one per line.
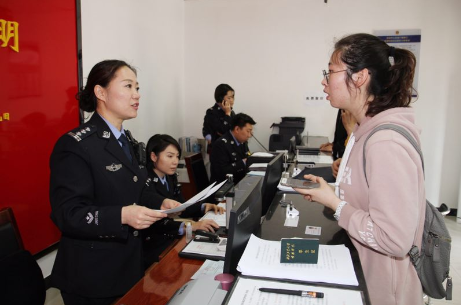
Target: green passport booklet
(299,250)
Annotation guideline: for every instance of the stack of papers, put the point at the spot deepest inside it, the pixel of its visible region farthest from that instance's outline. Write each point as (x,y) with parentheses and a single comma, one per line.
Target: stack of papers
(220,219)
(209,269)
(323,159)
(285,188)
(211,189)
(261,154)
(204,248)
(262,258)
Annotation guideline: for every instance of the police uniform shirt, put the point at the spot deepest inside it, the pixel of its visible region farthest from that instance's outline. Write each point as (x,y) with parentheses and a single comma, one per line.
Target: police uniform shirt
(216,123)
(91,180)
(227,158)
(153,195)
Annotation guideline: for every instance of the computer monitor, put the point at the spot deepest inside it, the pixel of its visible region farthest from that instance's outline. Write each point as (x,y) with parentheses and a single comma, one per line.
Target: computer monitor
(196,168)
(271,180)
(245,219)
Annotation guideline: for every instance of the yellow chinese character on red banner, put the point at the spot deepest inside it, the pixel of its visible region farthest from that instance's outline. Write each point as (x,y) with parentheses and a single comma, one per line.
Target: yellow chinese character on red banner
(6,116)
(8,30)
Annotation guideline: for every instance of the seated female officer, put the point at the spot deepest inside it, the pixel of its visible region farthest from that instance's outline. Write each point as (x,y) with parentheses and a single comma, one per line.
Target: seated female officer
(163,153)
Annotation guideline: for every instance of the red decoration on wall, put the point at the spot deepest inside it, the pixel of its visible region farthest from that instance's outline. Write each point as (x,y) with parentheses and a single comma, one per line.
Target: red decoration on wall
(38,83)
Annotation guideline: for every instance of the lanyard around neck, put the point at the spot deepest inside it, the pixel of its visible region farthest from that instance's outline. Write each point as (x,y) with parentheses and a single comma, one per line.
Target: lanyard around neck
(344,160)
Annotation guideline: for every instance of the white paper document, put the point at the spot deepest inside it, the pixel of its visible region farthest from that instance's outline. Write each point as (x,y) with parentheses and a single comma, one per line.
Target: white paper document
(324,159)
(261,154)
(258,165)
(246,292)
(262,258)
(220,219)
(257,173)
(285,188)
(211,189)
(200,247)
(209,269)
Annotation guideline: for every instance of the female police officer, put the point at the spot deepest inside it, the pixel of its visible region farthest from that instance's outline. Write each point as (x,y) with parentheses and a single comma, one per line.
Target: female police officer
(162,154)
(95,186)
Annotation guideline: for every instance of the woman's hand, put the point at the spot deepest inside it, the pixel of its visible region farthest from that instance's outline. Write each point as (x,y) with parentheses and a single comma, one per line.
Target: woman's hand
(324,194)
(213,207)
(140,217)
(227,107)
(326,147)
(205,225)
(335,167)
(170,204)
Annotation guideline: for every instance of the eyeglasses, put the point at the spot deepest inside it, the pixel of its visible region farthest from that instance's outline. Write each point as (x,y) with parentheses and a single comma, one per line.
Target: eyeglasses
(327,78)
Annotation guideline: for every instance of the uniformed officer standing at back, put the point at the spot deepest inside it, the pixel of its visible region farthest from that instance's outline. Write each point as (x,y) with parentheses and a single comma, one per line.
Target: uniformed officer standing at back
(217,120)
(230,152)
(95,185)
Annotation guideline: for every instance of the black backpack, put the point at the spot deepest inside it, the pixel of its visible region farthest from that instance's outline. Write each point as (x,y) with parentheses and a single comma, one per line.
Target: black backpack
(432,263)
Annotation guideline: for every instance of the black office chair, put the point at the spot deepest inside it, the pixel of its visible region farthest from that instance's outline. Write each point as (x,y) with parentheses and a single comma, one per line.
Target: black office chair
(21,279)
(197,172)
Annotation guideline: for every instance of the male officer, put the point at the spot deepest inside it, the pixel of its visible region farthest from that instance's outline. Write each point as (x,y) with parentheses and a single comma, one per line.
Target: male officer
(230,152)
(217,120)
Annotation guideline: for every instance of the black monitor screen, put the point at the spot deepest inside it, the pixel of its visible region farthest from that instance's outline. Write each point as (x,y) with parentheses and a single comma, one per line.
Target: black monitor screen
(200,174)
(244,220)
(271,180)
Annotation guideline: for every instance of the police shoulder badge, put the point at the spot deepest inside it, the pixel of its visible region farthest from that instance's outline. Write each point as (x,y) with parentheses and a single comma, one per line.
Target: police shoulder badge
(82,132)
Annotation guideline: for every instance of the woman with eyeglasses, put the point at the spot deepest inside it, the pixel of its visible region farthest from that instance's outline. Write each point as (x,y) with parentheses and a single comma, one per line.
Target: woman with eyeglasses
(162,187)
(382,211)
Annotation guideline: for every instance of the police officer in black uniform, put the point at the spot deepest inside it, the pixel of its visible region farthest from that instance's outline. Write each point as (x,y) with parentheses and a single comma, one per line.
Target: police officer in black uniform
(217,120)
(95,187)
(162,155)
(230,152)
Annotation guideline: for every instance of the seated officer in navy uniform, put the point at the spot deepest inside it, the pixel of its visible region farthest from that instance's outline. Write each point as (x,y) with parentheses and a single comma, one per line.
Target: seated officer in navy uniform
(217,119)
(230,152)
(95,188)
(162,155)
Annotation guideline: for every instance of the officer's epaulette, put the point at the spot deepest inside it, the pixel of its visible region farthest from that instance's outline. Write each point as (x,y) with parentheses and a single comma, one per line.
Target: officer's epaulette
(82,132)
(224,140)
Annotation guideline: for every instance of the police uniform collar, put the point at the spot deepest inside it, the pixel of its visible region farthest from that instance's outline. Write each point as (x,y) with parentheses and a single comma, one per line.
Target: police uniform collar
(111,128)
(235,140)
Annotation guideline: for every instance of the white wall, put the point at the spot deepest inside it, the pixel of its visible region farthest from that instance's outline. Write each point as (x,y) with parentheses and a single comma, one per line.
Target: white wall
(272,53)
(148,34)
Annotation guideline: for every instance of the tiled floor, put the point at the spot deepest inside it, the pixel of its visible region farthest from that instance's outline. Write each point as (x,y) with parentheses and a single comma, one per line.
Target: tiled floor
(53,297)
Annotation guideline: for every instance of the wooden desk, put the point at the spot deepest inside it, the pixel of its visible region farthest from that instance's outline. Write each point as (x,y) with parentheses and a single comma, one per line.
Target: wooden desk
(161,280)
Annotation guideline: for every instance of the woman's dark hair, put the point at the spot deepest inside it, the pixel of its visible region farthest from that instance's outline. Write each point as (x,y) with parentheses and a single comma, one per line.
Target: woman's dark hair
(240,120)
(101,74)
(221,91)
(391,84)
(156,145)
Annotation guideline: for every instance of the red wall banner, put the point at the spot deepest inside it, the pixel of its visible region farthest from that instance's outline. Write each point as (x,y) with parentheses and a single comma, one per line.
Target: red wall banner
(38,83)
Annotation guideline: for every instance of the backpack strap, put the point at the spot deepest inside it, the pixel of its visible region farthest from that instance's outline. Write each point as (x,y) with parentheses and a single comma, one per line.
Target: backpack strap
(414,251)
(395,128)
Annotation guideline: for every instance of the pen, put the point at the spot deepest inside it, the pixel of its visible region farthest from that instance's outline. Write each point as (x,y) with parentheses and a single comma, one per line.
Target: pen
(301,293)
